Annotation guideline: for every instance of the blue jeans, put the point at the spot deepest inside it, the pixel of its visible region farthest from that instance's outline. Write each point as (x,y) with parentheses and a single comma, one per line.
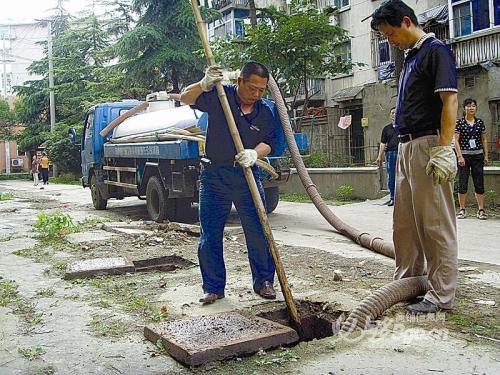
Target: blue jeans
(219,188)
(390,163)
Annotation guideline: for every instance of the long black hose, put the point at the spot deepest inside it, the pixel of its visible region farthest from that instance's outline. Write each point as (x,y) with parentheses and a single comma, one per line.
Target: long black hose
(396,291)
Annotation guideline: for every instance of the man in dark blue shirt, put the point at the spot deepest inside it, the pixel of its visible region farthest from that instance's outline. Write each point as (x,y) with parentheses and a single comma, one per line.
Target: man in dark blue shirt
(389,142)
(222,180)
(424,211)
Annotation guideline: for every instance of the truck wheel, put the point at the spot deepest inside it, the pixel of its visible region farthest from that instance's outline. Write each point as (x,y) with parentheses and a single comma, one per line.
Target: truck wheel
(156,200)
(272,198)
(97,200)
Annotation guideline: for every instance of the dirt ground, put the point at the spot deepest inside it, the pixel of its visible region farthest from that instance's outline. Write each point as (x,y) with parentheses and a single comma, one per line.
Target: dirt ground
(50,325)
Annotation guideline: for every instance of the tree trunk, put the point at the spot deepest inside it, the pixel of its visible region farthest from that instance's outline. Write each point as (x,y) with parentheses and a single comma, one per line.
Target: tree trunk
(253,13)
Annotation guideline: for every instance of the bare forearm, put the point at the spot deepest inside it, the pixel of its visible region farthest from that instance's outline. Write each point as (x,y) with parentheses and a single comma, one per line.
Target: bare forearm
(458,150)
(484,139)
(263,150)
(381,151)
(191,93)
(448,117)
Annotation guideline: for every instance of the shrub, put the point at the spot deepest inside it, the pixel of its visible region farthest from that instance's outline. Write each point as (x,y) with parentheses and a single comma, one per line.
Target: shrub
(345,192)
(317,159)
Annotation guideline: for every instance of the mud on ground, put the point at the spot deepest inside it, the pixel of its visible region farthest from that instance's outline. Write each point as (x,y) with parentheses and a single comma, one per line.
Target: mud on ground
(102,318)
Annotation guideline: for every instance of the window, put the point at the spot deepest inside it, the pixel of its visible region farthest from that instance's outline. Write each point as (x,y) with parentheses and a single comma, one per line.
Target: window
(384,51)
(344,53)
(341,3)
(474,15)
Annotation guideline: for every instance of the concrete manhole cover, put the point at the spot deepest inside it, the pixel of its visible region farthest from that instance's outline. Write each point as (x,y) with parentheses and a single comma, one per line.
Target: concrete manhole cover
(210,338)
(99,266)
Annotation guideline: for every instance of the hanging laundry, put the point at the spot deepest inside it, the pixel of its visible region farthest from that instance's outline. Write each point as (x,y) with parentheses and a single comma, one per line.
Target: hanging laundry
(345,122)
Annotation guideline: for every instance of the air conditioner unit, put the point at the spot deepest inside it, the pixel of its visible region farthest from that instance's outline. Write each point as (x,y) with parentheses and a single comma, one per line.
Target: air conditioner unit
(17,162)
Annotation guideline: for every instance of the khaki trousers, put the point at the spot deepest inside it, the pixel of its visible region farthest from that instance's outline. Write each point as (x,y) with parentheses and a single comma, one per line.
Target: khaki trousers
(424,224)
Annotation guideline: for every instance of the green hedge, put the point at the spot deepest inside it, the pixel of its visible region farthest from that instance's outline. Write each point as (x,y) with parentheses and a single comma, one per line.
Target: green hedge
(15,176)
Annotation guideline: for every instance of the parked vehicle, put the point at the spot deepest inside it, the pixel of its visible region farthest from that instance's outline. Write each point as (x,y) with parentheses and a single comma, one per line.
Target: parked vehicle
(135,160)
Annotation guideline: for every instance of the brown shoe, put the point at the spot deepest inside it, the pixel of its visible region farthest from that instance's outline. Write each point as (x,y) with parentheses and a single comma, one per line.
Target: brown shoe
(267,290)
(210,298)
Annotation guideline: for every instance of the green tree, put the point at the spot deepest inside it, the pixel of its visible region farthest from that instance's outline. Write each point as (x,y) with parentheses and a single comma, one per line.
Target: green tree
(82,78)
(295,46)
(158,51)
(6,120)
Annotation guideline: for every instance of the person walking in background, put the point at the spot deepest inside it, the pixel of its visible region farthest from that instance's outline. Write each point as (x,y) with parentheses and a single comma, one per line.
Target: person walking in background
(44,168)
(424,219)
(471,145)
(34,169)
(389,142)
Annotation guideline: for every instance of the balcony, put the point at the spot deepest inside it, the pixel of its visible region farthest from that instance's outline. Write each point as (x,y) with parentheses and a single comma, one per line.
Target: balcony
(316,93)
(474,49)
(222,4)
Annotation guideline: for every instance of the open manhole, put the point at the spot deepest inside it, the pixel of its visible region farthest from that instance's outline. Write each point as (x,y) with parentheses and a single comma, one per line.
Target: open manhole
(121,265)
(203,339)
(318,319)
(166,263)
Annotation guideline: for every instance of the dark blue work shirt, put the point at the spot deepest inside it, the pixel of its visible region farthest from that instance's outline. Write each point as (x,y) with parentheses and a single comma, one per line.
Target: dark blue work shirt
(254,127)
(428,70)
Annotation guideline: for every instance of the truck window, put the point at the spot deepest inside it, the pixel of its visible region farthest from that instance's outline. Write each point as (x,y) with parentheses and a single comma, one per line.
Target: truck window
(89,124)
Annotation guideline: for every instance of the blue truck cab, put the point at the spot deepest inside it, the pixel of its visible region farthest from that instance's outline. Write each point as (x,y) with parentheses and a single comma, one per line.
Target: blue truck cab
(164,173)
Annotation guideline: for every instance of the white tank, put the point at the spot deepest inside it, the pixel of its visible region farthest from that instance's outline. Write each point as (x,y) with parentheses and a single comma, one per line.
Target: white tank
(157,121)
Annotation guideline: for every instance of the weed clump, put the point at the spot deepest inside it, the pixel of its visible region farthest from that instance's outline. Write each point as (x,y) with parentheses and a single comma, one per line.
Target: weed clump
(52,225)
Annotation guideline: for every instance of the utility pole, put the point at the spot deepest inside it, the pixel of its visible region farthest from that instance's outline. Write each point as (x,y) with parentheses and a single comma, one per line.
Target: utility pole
(52,103)
(4,63)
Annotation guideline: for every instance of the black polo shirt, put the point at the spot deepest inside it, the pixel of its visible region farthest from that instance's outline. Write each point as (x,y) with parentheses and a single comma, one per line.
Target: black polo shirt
(390,138)
(428,69)
(254,128)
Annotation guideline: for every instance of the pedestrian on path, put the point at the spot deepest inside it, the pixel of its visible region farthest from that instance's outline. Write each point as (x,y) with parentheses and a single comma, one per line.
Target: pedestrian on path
(389,142)
(424,213)
(34,169)
(471,145)
(222,179)
(44,167)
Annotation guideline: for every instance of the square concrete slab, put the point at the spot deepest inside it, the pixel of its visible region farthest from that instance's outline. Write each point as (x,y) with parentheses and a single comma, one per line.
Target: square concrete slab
(99,266)
(203,339)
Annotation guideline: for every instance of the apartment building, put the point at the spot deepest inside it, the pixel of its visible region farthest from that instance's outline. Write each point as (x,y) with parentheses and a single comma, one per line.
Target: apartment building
(470,27)
(19,47)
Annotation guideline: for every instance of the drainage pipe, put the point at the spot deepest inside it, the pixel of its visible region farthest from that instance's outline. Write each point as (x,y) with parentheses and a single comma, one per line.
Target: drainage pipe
(394,292)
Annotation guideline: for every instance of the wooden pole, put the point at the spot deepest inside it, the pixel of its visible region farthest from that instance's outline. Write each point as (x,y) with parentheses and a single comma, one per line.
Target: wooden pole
(285,289)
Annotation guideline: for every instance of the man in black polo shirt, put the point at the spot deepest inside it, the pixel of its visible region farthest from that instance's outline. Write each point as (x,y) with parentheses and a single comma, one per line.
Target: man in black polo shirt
(389,145)
(222,179)
(424,214)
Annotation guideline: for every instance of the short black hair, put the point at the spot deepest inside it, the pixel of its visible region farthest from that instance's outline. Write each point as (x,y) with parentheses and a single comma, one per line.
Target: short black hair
(393,108)
(392,13)
(469,101)
(256,68)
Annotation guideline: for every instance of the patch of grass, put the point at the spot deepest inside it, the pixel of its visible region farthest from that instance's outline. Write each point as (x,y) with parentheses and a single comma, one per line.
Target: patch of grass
(160,314)
(280,359)
(298,198)
(34,318)
(66,179)
(54,225)
(8,292)
(37,253)
(140,305)
(91,223)
(103,303)
(6,196)
(31,353)
(48,370)
(45,292)
(103,326)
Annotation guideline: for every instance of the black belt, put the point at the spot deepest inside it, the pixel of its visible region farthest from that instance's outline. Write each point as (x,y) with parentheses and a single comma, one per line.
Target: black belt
(207,163)
(403,138)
